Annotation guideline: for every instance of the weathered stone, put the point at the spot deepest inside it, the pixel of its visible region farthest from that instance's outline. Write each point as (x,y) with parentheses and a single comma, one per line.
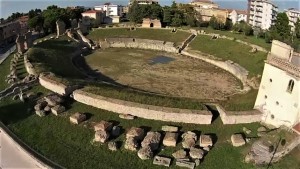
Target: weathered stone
(47,109)
(180,154)
(136,133)
(262,129)
(60,27)
(197,162)
(115,131)
(207,149)
(101,136)
(189,139)
(164,161)
(77,118)
(40,113)
(30,95)
(152,139)
(186,164)
(58,110)
(103,126)
(15,97)
(196,153)
(246,130)
(205,141)
(127,116)
(145,153)
(54,99)
(112,146)
(237,140)
(169,128)
(170,139)
(131,144)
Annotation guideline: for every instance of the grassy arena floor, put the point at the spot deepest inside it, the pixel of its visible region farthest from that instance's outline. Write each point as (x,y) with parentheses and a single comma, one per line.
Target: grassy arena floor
(155,34)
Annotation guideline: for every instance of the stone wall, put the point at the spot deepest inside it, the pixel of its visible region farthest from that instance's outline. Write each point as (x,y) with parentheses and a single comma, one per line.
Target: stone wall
(187,41)
(143,111)
(47,81)
(233,68)
(141,44)
(29,66)
(239,117)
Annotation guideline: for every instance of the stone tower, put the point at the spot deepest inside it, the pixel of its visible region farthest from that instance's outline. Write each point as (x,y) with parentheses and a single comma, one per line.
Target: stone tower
(60,27)
(20,44)
(28,40)
(279,92)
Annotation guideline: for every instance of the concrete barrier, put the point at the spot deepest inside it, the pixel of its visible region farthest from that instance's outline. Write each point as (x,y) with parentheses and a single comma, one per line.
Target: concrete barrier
(142,110)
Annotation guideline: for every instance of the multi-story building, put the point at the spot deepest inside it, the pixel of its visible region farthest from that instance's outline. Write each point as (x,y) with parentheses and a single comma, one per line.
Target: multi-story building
(92,18)
(237,16)
(9,32)
(293,15)
(204,4)
(279,92)
(144,2)
(262,13)
(110,9)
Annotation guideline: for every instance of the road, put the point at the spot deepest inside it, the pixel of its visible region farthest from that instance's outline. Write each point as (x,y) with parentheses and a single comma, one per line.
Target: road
(12,156)
(4,53)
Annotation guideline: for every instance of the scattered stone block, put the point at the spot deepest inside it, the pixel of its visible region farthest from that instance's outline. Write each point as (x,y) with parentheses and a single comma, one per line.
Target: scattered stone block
(47,108)
(112,146)
(53,99)
(169,128)
(101,136)
(207,149)
(196,153)
(77,118)
(136,133)
(164,161)
(170,139)
(189,139)
(152,140)
(40,113)
(127,116)
(261,131)
(185,164)
(131,144)
(180,154)
(58,110)
(246,130)
(197,162)
(145,153)
(115,131)
(103,126)
(205,141)
(237,140)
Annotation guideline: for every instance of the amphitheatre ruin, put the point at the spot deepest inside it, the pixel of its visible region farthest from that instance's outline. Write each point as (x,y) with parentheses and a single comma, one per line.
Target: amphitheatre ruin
(145,90)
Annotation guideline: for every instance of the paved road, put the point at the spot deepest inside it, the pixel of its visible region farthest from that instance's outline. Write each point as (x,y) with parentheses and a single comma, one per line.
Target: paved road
(12,157)
(5,53)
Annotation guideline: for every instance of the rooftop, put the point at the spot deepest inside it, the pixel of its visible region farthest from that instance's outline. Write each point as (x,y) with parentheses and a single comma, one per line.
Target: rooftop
(92,11)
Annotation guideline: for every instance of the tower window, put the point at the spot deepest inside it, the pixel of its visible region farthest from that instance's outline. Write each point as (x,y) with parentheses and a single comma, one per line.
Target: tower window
(290,86)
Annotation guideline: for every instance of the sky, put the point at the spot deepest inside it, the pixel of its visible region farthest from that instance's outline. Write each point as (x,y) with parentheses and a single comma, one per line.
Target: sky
(7,7)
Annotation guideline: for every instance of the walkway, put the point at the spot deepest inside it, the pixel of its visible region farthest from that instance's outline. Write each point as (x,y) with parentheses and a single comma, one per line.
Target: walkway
(3,56)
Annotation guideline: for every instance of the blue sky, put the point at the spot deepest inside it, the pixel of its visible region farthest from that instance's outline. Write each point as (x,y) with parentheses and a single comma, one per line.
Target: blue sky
(9,6)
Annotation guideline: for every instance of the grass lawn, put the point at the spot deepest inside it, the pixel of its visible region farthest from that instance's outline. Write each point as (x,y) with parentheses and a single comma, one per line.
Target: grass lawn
(155,34)
(55,56)
(4,71)
(231,50)
(250,39)
(240,102)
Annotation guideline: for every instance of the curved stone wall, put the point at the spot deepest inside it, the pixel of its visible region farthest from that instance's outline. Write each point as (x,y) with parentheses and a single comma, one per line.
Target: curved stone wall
(143,111)
(141,44)
(29,67)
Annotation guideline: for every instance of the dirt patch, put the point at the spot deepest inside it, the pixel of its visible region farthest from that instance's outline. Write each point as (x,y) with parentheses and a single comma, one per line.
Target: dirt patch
(183,77)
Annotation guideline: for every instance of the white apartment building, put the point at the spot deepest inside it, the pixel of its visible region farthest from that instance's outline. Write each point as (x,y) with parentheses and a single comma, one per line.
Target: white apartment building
(144,2)
(237,16)
(110,9)
(293,15)
(262,13)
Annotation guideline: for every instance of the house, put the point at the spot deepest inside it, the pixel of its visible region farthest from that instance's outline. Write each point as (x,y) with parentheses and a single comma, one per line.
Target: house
(112,12)
(293,15)
(237,16)
(92,18)
(207,13)
(261,13)
(204,4)
(279,92)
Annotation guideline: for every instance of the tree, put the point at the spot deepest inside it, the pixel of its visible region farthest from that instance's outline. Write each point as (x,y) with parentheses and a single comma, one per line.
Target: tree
(297,28)
(228,24)
(167,19)
(191,20)
(178,19)
(214,23)
(36,23)
(281,29)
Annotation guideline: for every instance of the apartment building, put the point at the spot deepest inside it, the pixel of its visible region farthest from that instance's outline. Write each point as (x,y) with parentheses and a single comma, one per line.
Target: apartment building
(293,15)
(110,9)
(237,16)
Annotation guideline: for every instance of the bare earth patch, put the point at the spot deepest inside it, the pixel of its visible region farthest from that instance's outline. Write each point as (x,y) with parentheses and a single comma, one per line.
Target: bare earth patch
(182,77)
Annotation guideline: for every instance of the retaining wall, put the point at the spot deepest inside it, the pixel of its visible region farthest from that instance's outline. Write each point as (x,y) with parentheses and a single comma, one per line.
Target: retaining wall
(29,67)
(141,44)
(57,87)
(143,111)
(239,117)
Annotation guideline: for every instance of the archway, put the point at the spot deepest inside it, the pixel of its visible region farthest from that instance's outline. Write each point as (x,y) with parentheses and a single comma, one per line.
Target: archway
(151,25)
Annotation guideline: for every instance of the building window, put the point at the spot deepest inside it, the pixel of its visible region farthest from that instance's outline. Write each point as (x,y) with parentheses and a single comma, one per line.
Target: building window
(290,86)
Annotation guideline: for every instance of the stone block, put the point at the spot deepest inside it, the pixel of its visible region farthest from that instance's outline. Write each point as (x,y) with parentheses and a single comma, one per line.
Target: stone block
(170,139)
(237,140)
(205,141)
(164,161)
(152,139)
(169,128)
(40,113)
(77,118)
(185,164)
(180,154)
(136,133)
(103,126)
(145,153)
(58,110)
(127,116)
(196,153)
(131,144)
(101,136)
(112,146)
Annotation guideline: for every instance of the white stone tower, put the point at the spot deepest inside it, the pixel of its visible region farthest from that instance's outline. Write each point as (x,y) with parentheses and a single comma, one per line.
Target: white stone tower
(279,92)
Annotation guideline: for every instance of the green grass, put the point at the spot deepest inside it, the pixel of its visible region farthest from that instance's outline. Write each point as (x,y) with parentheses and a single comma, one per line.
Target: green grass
(4,71)
(231,50)
(155,34)
(55,56)
(250,39)
(240,102)
(144,98)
